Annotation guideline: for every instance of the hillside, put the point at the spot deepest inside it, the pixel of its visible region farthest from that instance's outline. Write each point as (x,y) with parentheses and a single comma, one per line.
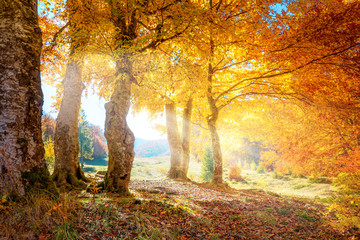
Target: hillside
(151,148)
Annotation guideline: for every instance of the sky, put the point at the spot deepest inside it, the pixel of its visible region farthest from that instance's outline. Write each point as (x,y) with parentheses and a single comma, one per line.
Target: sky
(140,124)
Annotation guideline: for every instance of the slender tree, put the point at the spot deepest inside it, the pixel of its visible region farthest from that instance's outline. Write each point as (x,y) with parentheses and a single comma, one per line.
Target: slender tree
(176,151)
(67,169)
(22,163)
(186,135)
(86,149)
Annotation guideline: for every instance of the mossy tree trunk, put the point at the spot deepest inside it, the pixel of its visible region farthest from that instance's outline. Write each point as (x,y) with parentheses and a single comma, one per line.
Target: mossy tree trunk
(186,135)
(22,163)
(119,137)
(176,151)
(216,149)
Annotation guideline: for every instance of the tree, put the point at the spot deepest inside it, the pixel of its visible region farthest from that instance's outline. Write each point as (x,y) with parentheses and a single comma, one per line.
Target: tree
(158,22)
(67,169)
(99,141)
(49,153)
(207,167)
(48,131)
(169,79)
(22,163)
(176,151)
(47,127)
(86,149)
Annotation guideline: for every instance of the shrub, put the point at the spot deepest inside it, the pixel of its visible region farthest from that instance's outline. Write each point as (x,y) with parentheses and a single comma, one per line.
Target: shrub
(207,168)
(235,174)
(347,205)
(260,169)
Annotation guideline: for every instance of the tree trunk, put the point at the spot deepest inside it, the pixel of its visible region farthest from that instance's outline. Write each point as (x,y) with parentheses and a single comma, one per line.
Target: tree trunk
(22,163)
(82,162)
(176,152)
(118,135)
(186,134)
(215,140)
(67,169)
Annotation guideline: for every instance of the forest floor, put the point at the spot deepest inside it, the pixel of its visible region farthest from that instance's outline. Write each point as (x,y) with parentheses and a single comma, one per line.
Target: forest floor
(260,208)
(169,209)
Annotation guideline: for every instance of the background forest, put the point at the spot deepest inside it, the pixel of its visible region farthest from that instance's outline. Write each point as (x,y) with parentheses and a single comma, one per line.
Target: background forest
(250,90)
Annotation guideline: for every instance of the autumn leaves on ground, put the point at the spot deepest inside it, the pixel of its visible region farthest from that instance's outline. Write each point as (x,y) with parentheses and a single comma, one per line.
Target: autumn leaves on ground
(173,209)
(168,209)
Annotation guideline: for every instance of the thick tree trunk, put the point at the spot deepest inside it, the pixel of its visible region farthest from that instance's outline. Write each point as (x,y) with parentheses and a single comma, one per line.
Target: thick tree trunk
(176,152)
(186,134)
(119,137)
(22,163)
(67,169)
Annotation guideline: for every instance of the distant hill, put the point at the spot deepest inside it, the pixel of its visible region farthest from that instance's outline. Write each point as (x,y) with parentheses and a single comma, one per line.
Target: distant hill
(151,148)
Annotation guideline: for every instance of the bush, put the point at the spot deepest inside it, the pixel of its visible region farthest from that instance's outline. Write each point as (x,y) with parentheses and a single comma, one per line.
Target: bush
(207,168)
(260,169)
(347,205)
(235,174)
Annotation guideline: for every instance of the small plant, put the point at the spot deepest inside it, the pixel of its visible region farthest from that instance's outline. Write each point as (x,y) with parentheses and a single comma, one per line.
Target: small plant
(283,211)
(65,231)
(305,216)
(163,170)
(93,188)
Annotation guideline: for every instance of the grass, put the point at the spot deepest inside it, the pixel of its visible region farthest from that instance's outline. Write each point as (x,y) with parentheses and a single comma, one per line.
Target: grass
(157,167)
(290,186)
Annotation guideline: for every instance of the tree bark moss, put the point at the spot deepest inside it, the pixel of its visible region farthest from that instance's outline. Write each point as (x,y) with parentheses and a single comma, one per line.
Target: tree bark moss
(22,163)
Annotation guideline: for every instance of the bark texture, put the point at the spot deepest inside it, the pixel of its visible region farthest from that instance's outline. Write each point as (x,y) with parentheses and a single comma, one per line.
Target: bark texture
(215,140)
(176,151)
(22,163)
(119,137)
(67,169)
(118,134)
(186,134)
